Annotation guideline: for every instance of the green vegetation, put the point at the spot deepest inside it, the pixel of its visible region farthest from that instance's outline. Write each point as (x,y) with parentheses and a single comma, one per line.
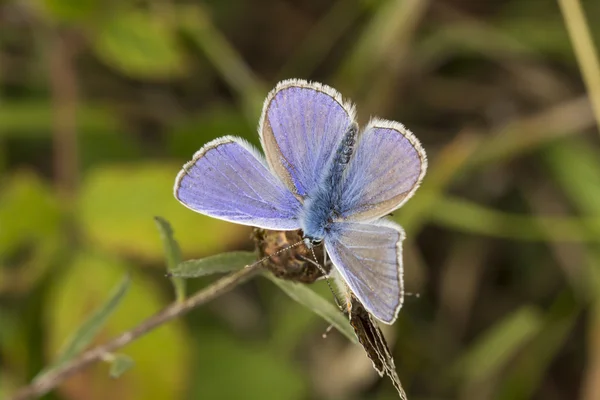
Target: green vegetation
(101,102)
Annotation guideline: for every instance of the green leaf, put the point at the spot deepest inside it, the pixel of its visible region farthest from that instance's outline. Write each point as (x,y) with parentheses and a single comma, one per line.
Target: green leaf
(29,211)
(173,254)
(314,302)
(581,180)
(90,328)
(220,263)
(232,367)
(33,118)
(119,365)
(527,372)
(30,218)
(118,202)
(227,61)
(138,45)
(467,216)
(70,10)
(495,348)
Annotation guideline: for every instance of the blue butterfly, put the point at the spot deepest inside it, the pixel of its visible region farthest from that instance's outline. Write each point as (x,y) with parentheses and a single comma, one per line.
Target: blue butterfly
(320,175)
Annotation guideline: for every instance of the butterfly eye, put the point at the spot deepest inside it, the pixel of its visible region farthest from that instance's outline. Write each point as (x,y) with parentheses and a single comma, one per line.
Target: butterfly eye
(311,242)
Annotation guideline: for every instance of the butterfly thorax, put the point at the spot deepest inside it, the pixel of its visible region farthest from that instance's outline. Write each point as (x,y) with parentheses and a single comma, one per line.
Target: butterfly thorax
(322,207)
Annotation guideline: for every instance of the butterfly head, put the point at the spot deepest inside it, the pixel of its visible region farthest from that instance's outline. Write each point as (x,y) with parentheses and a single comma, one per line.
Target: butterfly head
(311,242)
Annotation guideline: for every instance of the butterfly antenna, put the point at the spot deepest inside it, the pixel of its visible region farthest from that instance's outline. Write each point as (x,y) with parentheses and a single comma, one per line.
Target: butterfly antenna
(265,258)
(329,328)
(326,275)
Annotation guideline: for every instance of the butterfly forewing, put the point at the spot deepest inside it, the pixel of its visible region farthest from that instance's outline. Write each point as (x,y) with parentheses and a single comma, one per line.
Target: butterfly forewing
(227,180)
(301,127)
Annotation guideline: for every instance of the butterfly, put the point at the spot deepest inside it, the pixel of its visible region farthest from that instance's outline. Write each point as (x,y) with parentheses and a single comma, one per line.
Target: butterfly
(321,175)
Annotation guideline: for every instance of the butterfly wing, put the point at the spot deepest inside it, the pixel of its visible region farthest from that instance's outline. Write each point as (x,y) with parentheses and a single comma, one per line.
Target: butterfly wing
(386,169)
(301,127)
(369,259)
(228,180)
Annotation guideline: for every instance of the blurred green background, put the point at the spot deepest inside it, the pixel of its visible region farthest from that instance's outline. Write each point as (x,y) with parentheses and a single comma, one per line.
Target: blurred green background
(101,102)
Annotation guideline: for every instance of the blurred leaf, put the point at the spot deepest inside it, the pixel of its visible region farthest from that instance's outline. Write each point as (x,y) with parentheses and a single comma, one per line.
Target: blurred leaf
(30,237)
(34,118)
(70,10)
(531,133)
(162,356)
(495,348)
(173,254)
(220,263)
(470,217)
(189,134)
(29,211)
(442,172)
(323,38)
(119,365)
(83,336)
(524,375)
(308,298)
(230,368)
(581,183)
(581,180)
(118,202)
(542,28)
(385,38)
(230,64)
(139,45)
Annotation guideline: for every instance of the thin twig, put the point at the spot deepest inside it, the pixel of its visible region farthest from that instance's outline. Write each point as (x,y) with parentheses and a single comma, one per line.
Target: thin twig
(54,377)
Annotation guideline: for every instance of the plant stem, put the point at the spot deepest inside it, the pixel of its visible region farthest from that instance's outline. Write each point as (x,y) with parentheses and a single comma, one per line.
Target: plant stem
(583,45)
(54,377)
(63,83)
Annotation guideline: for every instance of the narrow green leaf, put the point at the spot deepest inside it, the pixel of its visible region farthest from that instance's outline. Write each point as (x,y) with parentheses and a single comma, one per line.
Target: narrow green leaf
(119,365)
(220,263)
(197,25)
(467,216)
(33,119)
(173,254)
(314,302)
(500,344)
(524,377)
(581,181)
(90,328)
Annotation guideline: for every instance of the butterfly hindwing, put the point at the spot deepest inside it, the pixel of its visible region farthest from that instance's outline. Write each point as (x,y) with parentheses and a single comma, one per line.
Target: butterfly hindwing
(369,259)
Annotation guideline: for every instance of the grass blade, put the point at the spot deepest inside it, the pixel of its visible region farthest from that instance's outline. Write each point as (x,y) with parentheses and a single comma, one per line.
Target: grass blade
(495,348)
(583,45)
(90,328)
(173,254)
